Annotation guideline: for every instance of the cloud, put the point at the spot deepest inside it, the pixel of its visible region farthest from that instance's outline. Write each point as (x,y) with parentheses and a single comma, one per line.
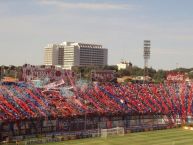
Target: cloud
(87,5)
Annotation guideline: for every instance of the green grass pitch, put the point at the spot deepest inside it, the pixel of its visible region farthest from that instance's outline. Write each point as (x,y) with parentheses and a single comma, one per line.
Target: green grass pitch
(162,137)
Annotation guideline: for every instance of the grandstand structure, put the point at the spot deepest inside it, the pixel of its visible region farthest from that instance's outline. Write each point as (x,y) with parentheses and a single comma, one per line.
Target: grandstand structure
(26,110)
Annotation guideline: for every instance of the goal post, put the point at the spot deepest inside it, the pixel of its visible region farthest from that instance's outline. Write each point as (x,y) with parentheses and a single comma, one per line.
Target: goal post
(112,132)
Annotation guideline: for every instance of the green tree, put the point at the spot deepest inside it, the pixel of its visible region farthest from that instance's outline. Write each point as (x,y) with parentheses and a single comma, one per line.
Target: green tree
(190,75)
(160,76)
(123,72)
(137,71)
(151,72)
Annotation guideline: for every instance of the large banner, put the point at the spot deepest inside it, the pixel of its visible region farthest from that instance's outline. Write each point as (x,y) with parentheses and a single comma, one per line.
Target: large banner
(175,77)
(103,75)
(50,73)
(54,84)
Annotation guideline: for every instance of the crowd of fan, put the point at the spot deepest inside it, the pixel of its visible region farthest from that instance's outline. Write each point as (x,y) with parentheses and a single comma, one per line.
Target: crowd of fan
(24,101)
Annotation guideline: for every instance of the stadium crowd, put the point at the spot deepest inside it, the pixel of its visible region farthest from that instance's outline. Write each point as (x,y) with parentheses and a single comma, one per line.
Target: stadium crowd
(21,101)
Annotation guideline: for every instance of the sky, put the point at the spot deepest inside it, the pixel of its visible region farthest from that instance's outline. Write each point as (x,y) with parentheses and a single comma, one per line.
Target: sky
(27,26)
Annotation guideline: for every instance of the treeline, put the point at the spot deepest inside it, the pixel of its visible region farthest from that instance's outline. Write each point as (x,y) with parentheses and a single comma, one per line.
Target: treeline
(134,71)
(85,72)
(10,71)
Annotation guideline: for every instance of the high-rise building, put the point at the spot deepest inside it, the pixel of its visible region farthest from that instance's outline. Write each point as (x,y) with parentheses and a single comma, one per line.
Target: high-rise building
(51,54)
(68,54)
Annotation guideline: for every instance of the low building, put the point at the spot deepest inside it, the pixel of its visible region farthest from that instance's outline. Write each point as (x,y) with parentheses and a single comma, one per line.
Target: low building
(124,65)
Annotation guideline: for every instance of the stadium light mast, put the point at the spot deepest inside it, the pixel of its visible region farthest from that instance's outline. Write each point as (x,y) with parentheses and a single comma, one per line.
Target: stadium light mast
(146,55)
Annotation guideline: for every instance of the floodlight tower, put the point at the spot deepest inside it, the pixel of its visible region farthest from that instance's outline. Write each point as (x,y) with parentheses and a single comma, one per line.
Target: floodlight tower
(146,55)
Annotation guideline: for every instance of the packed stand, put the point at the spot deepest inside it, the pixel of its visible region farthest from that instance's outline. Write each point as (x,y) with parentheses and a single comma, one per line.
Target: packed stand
(23,101)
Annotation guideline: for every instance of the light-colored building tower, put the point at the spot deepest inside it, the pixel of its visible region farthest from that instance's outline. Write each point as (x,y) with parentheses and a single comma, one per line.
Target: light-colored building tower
(51,54)
(68,54)
(71,54)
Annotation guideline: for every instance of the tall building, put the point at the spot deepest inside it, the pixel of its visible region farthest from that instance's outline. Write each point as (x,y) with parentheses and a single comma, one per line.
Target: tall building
(51,54)
(68,54)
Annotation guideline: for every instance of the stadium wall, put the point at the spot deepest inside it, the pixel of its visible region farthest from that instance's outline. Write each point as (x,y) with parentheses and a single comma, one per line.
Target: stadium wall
(81,124)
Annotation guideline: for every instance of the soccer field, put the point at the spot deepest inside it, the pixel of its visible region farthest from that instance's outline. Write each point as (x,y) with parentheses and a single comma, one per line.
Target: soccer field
(161,137)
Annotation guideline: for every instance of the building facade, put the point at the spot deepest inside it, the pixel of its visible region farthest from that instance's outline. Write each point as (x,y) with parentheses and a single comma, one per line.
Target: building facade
(51,54)
(69,54)
(124,65)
